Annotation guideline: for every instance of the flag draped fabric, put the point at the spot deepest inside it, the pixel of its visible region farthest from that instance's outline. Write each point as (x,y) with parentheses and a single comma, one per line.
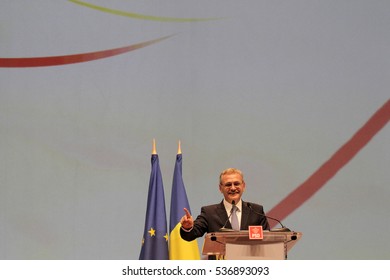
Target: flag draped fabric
(179,249)
(155,238)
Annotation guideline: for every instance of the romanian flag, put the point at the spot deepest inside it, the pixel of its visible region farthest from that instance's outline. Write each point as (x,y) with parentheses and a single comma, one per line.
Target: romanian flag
(155,238)
(179,249)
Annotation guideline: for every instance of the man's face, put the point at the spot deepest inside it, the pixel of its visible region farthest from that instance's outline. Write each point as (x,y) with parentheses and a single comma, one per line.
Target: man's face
(232,187)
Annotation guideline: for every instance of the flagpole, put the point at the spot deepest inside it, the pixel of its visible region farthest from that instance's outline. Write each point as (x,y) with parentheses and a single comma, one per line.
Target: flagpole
(179,148)
(154,151)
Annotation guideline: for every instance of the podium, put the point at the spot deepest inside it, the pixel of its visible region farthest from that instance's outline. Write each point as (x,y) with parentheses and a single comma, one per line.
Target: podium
(236,245)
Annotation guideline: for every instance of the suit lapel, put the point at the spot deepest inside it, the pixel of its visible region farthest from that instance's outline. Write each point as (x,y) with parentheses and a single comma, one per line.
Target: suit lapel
(221,212)
(244,216)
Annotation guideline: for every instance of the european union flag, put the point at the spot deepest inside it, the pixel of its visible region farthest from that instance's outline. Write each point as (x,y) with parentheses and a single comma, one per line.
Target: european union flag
(155,238)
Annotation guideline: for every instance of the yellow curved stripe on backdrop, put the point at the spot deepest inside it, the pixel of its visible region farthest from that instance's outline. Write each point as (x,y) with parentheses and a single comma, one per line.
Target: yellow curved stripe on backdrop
(139,16)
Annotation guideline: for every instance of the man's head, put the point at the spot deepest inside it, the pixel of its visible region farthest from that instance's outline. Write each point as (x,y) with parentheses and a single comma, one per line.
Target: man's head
(232,184)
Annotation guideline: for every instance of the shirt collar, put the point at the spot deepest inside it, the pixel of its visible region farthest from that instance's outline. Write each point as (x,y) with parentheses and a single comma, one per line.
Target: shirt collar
(228,206)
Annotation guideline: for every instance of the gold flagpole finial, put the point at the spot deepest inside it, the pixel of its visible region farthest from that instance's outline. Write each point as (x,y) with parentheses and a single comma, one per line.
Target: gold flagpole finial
(154,151)
(179,148)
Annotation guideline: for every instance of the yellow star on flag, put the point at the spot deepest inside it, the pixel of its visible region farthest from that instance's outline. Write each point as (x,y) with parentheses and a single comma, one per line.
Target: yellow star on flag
(166,237)
(152,232)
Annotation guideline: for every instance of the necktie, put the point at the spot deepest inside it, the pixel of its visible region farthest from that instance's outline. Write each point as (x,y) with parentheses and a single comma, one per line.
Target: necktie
(235,224)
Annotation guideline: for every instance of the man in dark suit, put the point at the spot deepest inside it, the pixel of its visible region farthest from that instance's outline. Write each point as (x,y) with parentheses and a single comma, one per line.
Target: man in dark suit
(214,217)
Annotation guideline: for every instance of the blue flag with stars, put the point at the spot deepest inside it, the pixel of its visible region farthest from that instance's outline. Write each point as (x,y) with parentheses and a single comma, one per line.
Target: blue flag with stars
(155,238)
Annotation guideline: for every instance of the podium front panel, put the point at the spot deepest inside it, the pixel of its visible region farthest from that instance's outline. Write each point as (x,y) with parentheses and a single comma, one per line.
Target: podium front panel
(237,245)
(266,251)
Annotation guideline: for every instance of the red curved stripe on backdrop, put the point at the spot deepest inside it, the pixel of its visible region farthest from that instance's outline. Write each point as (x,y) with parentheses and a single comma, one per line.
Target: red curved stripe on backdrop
(74,58)
(308,188)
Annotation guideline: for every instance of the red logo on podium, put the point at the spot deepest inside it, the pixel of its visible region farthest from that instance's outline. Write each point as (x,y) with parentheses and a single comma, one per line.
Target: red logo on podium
(255,232)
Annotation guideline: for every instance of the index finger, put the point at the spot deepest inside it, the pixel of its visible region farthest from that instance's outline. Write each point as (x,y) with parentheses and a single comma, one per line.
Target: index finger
(187,213)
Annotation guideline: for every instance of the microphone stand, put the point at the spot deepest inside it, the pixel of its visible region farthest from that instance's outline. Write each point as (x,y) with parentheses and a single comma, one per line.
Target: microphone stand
(282,229)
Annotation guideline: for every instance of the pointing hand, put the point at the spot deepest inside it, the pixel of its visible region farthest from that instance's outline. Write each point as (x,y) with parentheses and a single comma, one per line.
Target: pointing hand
(187,221)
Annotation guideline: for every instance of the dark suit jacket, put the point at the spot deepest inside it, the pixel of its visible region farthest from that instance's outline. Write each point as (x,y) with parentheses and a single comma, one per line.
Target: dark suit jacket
(213,217)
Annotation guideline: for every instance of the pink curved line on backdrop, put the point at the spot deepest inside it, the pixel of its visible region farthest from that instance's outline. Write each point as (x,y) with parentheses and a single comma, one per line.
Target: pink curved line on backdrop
(71,59)
(329,169)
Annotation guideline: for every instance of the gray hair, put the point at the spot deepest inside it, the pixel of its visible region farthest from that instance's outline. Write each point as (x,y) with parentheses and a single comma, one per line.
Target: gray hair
(229,171)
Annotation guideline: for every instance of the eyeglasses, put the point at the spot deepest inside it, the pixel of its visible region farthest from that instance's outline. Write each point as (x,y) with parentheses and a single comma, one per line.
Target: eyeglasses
(230,184)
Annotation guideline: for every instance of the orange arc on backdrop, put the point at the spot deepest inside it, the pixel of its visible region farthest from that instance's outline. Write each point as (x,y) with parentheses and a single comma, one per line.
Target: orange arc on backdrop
(73,58)
(330,168)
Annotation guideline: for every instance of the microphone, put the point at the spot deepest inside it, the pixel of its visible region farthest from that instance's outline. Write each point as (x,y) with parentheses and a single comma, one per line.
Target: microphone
(283,229)
(214,238)
(224,226)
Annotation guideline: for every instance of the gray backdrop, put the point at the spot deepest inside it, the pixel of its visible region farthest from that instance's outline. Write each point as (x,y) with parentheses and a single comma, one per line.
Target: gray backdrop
(274,88)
